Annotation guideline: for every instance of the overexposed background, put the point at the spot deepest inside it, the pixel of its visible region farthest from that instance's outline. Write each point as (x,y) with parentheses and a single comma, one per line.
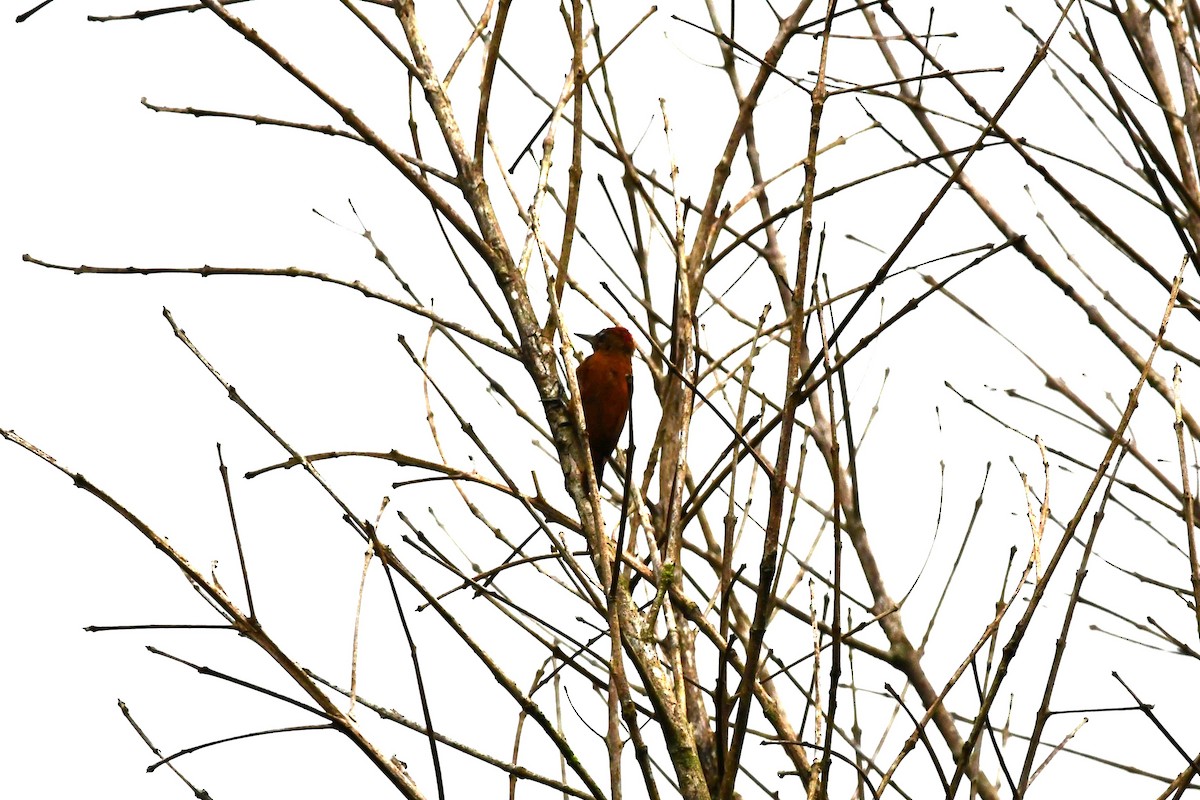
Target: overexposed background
(90,372)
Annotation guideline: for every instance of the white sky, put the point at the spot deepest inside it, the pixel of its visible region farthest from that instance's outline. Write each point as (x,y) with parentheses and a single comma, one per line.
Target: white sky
(90,372)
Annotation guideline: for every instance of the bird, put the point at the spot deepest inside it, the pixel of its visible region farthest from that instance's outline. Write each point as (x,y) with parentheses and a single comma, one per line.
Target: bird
(605,388)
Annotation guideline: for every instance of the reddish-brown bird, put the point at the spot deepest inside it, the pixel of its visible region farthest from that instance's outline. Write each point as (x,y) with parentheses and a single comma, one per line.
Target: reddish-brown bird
(605,385)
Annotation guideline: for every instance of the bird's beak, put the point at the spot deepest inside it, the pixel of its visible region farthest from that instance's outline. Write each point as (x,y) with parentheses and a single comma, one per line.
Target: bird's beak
(590,338)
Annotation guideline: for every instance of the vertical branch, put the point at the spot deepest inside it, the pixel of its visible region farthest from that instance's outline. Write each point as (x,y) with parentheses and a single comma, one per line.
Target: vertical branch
(575,172)
(835,666)
(725,587)
(1189,508)
(778,485)
(814,777)
(1043,712)
(616,677)
(487,82)
(430,733)
(1186,69)
(368,555)
(237,537)
(677,412)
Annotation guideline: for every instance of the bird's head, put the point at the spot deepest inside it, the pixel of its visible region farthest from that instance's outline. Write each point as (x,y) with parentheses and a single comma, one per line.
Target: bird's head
(612,340)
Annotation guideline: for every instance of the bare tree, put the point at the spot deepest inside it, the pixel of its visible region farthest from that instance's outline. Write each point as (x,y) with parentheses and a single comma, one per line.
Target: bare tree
(784,205)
